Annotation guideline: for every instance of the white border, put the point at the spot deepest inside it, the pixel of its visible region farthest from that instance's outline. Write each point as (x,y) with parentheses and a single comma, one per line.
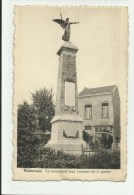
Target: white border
(62,187)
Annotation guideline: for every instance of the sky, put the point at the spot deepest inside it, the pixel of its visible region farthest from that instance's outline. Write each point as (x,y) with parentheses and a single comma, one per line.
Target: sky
(101,37)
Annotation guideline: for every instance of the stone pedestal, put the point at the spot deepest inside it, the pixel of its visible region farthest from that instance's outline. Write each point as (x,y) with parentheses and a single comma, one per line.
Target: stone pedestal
(66,134)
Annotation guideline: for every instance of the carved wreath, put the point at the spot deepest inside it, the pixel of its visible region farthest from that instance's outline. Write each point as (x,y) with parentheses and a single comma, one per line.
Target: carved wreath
(73,137)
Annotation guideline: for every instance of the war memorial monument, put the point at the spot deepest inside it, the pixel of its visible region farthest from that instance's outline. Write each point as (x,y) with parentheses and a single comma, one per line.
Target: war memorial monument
(66,133)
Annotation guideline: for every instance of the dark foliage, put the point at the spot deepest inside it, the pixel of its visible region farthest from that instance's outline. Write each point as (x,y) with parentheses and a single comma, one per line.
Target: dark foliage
(27,124)
(86,137)
(28,153)
(46,158)
(44,105)
(32,121)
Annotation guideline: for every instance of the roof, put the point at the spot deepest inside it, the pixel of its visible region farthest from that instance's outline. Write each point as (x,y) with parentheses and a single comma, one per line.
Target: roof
(97,91)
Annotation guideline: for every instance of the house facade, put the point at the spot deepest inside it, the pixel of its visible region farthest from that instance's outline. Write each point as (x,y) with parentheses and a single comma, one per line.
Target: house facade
(100,110)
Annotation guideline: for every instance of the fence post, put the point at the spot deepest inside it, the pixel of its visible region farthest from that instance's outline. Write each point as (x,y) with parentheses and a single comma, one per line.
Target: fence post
(82,150)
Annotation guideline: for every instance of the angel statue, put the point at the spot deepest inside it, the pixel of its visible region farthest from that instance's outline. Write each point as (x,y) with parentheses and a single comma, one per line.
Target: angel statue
(65,24)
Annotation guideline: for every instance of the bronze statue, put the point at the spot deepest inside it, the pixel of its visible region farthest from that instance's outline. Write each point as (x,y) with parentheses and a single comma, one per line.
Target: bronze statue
(65,24)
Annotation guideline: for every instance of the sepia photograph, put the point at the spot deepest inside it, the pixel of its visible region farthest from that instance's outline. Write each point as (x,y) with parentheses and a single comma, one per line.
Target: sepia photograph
(70,93)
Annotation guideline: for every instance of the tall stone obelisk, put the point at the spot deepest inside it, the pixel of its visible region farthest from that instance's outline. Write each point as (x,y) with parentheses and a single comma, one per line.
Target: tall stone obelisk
(66,134)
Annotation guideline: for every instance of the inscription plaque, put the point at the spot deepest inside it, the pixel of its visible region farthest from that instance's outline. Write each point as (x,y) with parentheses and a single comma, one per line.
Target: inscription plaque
(69,94)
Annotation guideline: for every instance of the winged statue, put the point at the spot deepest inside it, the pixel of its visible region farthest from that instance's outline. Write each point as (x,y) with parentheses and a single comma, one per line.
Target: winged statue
(65,24)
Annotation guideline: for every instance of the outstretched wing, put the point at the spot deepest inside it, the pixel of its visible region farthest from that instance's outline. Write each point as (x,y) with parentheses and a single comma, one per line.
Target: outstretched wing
(62,23)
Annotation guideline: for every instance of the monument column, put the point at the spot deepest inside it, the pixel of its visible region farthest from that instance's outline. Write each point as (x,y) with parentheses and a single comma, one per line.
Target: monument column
(67,101)
(66,134)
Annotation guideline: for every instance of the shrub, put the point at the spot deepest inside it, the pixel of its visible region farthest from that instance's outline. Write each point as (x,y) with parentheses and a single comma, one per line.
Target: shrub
(45,158)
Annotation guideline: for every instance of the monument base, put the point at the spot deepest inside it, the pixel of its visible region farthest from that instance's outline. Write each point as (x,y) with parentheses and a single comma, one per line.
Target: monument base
(73,147)
(66,134)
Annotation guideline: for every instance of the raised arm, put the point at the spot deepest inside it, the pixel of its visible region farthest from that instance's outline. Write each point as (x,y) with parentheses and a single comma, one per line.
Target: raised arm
(74,22)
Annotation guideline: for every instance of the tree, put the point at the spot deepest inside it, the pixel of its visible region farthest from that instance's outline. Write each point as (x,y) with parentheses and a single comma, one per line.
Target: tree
(27,121)
(27,118)
(30,120)
(44,105)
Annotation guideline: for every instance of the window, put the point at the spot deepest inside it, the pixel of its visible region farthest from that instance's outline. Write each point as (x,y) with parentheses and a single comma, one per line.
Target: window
(87,127)
(88,111)
(96,129)
(105,110)
(101,129)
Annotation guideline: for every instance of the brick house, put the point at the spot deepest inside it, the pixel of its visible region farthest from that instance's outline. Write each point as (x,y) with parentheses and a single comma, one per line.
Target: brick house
(100,110)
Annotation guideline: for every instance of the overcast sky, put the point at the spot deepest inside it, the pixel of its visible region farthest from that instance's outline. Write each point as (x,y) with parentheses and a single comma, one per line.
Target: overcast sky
(100,37)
